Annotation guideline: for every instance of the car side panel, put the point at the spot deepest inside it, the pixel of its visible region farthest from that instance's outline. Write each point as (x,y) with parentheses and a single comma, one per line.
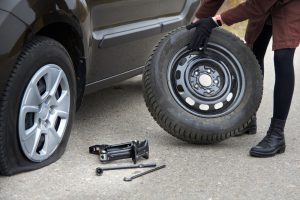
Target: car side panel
(119,12)
(121,49)
(126,47)
(113,58)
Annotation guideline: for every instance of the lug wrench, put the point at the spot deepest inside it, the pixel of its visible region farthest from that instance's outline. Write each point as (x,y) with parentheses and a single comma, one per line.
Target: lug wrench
(99,170)
(143,173)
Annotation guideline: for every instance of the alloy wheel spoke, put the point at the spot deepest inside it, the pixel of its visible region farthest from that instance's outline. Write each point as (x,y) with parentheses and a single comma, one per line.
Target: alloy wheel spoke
(53,139)
(63,102)
(54,82)
(29,132)
(62,114)
(34,97)
(52,101)
(32,141)
(27,109)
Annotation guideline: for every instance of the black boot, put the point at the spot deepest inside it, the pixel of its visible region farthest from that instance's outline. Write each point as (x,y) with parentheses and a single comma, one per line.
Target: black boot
(273,142)
(250,129)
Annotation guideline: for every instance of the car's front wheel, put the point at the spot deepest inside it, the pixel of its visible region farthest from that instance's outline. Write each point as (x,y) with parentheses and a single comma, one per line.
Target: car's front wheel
(37,108)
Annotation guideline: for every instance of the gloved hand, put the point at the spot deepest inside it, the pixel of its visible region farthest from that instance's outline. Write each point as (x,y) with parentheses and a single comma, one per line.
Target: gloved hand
(202,33)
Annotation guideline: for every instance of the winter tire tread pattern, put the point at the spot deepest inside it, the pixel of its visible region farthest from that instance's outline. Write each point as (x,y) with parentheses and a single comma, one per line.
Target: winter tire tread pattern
(176,129)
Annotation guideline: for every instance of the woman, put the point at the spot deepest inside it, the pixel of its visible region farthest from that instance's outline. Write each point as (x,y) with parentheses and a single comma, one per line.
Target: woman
(280,18)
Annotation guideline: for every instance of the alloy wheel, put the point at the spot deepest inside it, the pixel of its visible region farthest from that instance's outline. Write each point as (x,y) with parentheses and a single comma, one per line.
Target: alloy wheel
(44,113)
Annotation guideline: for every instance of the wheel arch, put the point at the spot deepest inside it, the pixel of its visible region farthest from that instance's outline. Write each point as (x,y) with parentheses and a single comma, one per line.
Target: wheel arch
(64,21)
(71,39)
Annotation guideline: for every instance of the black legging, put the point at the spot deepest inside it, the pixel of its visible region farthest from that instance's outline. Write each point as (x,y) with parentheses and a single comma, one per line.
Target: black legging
(284,73)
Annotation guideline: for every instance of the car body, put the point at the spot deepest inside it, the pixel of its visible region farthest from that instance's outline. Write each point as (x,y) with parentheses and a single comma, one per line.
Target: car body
(94,32)
(107,42)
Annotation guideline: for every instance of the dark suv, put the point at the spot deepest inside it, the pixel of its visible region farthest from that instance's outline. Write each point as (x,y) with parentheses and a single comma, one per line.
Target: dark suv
(53,52)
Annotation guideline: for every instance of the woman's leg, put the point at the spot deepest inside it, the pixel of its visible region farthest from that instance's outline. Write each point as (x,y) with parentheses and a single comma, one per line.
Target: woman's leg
(284,82)
(274,142)
(261,44)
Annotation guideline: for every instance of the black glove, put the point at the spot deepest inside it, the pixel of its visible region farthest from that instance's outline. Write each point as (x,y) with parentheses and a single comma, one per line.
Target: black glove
(202,32)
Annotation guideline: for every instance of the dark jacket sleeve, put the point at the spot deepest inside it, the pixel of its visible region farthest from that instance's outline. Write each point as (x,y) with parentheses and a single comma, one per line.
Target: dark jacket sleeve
(250,9)
(209,8)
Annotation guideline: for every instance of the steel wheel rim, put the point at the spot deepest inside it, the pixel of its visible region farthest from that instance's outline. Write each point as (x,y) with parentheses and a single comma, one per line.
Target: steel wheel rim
(44,113)
(225,81)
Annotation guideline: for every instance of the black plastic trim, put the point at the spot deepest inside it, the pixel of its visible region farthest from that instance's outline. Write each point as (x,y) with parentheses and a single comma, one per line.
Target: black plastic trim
(92,87)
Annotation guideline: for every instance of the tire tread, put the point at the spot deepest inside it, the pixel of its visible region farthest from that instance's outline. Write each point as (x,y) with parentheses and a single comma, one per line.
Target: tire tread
(184,133)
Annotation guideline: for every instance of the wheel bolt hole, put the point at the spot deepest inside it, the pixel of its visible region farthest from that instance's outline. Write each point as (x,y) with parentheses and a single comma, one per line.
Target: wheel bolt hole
(180,88)
(182,61)
(177,74)
(51,110)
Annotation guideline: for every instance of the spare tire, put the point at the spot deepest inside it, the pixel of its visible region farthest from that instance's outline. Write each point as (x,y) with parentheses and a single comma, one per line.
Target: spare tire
(202,96)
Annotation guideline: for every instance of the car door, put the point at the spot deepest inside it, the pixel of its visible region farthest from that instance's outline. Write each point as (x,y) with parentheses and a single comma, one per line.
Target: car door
(125,32)
(115,50)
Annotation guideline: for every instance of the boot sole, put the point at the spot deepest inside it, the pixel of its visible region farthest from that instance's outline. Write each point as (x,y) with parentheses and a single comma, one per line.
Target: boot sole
(270,154)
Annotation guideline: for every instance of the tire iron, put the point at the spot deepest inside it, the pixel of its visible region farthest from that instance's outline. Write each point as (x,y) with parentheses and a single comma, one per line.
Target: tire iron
(99,170)
(127,179)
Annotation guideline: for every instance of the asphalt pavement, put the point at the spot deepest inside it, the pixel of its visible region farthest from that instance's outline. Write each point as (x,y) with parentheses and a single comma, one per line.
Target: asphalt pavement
(221,171)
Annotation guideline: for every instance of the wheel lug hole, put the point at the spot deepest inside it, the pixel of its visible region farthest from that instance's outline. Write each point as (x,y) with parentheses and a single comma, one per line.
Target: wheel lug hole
(46,123)
(51,110)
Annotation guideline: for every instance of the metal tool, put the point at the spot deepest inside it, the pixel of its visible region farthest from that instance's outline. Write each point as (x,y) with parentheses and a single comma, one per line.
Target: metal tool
(134,150)
(99,170)
(144,173)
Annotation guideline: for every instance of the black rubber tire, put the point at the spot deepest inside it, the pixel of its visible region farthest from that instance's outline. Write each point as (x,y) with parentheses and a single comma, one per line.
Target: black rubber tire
(37,53)
(176,120)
